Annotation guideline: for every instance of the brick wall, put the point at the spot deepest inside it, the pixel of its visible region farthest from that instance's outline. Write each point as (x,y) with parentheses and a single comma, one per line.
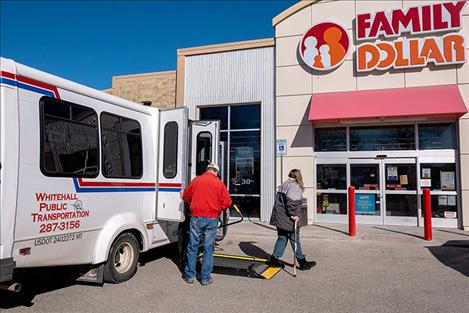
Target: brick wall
(157,87)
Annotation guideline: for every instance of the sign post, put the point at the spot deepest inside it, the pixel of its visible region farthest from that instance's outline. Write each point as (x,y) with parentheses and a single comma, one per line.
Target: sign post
(281,150)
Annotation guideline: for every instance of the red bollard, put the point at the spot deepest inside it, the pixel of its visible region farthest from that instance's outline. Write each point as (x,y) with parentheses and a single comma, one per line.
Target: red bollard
(427,214)
(352,225)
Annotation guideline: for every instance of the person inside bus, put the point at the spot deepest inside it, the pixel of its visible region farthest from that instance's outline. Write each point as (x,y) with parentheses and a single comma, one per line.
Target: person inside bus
(287,211)
(207,196)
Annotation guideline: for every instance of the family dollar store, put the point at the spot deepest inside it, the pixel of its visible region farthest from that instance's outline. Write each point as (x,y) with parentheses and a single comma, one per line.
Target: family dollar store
(370,94)
(383,108)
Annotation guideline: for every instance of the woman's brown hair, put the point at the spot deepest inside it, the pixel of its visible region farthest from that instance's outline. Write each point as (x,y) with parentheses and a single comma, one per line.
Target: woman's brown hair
(296,175)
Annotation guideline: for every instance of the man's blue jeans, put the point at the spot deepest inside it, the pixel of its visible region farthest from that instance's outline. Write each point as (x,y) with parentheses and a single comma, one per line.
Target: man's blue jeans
(201,229)
(281,244)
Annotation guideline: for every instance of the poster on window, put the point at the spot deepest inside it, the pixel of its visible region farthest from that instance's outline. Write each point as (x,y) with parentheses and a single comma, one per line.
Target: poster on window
(244,161)
(403,180)
(392,173)
(365,204)
(447,180)
(443,200)
(450,214)
(426,182)
(426,173)
(452,200)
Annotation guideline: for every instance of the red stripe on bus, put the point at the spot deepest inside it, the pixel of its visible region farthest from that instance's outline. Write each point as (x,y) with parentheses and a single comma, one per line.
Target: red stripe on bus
(8,75)
(113,184)
(37,83)
(169,185)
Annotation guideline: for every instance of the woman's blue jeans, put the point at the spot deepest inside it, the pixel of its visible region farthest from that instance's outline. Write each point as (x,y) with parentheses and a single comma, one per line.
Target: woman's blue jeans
(282,237)
(201,229)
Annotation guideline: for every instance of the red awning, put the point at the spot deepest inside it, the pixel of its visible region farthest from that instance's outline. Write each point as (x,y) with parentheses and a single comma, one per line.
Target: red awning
(435,102)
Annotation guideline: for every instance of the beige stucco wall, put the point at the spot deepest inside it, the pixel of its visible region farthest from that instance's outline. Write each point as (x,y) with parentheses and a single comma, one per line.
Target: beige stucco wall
(157,87)
(464,150)
(295,84)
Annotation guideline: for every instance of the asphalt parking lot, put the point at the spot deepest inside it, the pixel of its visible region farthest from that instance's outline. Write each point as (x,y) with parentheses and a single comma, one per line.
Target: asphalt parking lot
(384,269)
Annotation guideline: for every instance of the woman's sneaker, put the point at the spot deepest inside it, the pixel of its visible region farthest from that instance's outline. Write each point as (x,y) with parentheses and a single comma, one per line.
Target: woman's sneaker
(305,265)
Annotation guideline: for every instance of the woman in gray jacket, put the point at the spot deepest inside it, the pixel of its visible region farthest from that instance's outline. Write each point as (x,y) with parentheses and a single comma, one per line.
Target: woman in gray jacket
(287,210)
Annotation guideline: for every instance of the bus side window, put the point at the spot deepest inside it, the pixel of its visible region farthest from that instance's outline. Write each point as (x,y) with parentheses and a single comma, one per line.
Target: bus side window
(170,152)
(121,141)
(69,139)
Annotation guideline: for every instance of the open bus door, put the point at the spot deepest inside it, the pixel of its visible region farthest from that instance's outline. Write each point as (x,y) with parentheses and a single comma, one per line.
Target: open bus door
(172,164)
(205,141)
(206,148)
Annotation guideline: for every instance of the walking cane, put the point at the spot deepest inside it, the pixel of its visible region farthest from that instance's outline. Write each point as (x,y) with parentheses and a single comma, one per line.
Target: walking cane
(296,247)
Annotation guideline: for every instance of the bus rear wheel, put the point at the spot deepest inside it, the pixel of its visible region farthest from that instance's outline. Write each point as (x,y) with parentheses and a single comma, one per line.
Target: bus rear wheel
(122,260)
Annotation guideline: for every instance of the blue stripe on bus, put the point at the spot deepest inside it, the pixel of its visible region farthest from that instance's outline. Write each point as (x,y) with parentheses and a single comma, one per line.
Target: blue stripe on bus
(7,81)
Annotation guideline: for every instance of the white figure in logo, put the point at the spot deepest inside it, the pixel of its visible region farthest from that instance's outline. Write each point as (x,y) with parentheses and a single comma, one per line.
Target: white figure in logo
(325,55)
(311,51)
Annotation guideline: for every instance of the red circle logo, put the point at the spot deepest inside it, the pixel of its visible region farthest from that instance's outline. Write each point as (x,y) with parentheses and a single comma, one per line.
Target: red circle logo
(325,46)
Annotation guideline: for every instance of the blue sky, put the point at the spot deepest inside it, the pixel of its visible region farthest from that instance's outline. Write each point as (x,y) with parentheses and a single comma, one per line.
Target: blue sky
(91,41)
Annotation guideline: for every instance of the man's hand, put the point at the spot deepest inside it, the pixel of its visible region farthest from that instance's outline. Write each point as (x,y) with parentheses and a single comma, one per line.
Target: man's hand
(181,193)
(295,218)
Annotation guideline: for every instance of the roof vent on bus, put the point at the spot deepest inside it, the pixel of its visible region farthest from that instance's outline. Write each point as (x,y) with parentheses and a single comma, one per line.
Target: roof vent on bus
(146,103)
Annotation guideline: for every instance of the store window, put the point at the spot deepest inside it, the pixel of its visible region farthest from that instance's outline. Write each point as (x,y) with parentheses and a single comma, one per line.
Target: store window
(331,181)
(121,147)
(330,139)
(69,139)
(438,176)
(240,130)
(331,176)
(441,179)
(331,203)
(382,138)
(444,206)
(401,177)
(365,176)
(217,114)
(245,117)
(245,162)
(437,136)
(401,205)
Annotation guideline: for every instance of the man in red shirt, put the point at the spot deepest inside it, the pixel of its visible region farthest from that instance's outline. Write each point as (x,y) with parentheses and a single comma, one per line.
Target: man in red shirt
(207,196)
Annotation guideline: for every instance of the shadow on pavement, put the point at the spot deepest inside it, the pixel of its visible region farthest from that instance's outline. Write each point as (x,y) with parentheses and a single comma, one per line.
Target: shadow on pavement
(329,228)
(252,250)
(170,251)
(454,254)
(42,280)
(269,227)
(453,232)
(38,281)
(399,232)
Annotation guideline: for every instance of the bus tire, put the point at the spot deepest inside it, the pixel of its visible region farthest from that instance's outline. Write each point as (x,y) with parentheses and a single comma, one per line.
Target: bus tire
(122,260)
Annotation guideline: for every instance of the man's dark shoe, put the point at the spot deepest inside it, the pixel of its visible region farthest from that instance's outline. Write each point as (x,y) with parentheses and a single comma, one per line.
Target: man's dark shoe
(206,282)
(274,262)
(187,280)
(305,265)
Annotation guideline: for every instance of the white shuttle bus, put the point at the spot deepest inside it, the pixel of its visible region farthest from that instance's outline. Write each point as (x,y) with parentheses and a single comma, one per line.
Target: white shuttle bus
(90,178)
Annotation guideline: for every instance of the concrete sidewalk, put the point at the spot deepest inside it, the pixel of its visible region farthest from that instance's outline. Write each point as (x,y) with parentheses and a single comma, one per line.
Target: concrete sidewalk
(384,269)
(380,233)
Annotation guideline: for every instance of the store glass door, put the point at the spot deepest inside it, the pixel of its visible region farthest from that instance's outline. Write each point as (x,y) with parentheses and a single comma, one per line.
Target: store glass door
(386,191)
(365,176)
(399,192)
